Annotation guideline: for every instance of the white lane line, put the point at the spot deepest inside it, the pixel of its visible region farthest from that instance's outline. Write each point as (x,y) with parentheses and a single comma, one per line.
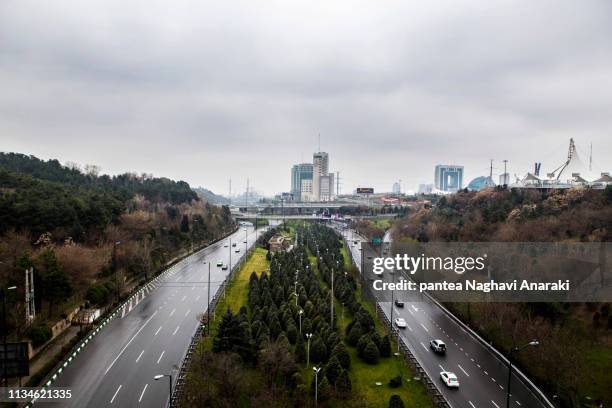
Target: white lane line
(442,368)
(518,403)
(486,373)
(426,349)
(409,328)
(157,331)
(172,312)
(187,312)
(501,386)
(115,394)
(140,355)
(128,343)
(426,329)
(160,356)
(175,330)
(495,403)
(493,380)
(183,299)
(143,391)
(473,406)
(461,368)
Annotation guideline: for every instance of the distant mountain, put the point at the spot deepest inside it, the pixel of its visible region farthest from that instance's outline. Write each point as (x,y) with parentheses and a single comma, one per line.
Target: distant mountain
(211,197)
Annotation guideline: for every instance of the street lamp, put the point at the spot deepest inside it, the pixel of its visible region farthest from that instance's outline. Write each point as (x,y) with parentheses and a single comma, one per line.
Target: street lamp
(4,332)
(300,313)
(316,372)
(532,343)
(308,337)
(159,377)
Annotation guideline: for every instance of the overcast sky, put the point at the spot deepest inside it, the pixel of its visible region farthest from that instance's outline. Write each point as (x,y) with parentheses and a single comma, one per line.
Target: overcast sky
(204,91)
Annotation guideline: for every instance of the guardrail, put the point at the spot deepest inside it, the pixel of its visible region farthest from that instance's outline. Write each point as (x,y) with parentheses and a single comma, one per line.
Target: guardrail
(80,346)
(438,398)
(521,376)
(181,378)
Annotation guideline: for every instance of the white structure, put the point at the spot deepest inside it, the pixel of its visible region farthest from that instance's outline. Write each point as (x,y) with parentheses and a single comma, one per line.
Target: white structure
(397,188)
(425,188)
(448,177)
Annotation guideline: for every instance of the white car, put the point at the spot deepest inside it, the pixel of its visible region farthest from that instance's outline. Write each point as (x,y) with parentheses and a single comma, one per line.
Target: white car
(449,379)
(438,346)
(400,322)
(237,250)
(225,245)
(219,263)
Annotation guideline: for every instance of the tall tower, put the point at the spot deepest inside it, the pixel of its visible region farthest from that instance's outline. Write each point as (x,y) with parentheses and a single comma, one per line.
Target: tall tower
(320,162)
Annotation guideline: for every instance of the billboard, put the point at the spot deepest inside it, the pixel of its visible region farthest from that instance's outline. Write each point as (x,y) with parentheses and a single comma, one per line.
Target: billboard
(365,190)
(16,358)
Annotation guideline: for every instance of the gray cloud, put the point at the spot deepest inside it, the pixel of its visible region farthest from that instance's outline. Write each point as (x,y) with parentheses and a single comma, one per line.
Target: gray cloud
(204,91)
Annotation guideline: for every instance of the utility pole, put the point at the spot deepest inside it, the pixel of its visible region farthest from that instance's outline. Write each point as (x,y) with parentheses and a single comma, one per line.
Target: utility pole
(491,171)
(4,332)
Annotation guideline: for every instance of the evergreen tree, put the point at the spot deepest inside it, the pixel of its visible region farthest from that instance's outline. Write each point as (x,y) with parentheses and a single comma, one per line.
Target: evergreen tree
(385,347)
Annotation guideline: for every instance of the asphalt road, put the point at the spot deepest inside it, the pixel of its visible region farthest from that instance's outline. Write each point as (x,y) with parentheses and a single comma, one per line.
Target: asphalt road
(150,336)
(482,375)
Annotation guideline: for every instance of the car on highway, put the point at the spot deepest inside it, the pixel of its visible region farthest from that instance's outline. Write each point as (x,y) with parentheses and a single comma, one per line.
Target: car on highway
(244,242)
(224,267)
(400,322)
(219,263)
(237,250)
(399,303)
(449,379)
(234,244)
(438,346)
(369,256)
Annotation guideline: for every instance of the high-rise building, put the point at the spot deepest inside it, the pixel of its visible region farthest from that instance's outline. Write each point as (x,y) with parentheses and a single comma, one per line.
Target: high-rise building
(449,177)
(320,163)
(397,189)
(300,173)
(326,187)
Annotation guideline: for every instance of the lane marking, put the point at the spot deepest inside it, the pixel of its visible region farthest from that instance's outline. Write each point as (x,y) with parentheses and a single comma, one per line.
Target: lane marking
(172,312)
(115,394)
(128,343)
(183,299)
(187,312)
(175,330)
(439,365)
(143,391)
(160,356)
(495,403)
(518,403)
(426,329)
(140,355)
(157,331)
(461,368)
(473,406)
(426,349)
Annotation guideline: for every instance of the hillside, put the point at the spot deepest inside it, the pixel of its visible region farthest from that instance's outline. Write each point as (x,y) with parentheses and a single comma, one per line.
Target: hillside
(211,197)
(576,338)
(91,237)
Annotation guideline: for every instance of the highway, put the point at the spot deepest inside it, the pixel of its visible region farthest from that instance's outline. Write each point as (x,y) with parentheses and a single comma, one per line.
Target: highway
(482,375)
(150,336)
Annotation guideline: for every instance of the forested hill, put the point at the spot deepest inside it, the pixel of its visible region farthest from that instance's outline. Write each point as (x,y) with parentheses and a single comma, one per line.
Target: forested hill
(39,196)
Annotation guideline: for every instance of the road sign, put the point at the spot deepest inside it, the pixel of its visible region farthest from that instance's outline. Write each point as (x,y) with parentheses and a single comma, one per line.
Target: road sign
(365,190)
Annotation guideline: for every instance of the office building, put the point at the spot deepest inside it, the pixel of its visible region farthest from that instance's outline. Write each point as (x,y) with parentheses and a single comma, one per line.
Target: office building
(425,188)
(449,178)
(326,187)
(301,177)
(397,189)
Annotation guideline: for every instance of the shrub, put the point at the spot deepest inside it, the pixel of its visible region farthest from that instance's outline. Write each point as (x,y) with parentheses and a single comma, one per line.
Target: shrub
(354,334)
(385,347)
(39,334)
(318,350)
(333,369)
(342,355)
(370,353)
(343,383)
(292,333)
(396,401)
(395,382)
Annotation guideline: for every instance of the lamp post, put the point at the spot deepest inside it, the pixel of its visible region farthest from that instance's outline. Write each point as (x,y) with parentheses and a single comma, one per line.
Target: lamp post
(295,293)
(308,337)
(159,377)
(300,313)
(532,343)
(4,332)
(316,372)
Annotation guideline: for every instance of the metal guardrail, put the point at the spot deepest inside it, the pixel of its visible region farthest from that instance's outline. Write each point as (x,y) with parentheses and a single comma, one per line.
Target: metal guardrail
(181,378)
(438,399)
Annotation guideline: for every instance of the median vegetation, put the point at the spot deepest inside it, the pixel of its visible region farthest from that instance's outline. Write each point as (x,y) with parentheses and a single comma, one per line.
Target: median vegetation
(275,325)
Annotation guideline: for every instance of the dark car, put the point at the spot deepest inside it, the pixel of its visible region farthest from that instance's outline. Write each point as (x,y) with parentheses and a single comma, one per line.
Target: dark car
(399,303)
